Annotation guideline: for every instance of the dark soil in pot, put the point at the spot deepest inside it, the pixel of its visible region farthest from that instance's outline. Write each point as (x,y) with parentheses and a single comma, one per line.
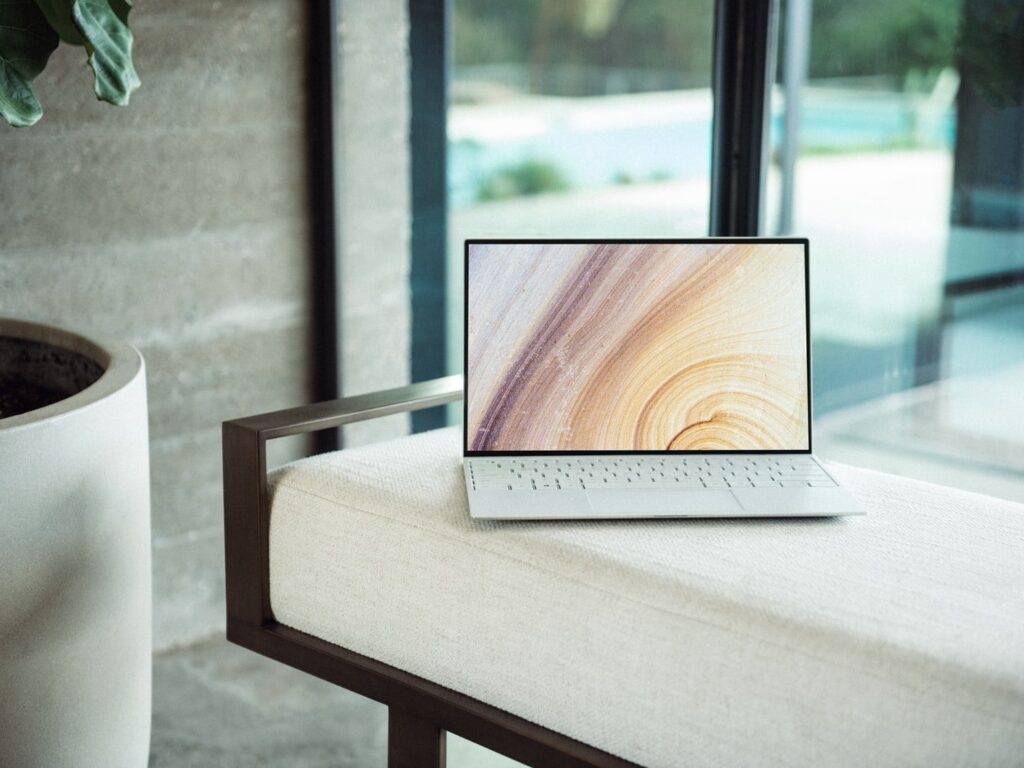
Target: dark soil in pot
(34,374)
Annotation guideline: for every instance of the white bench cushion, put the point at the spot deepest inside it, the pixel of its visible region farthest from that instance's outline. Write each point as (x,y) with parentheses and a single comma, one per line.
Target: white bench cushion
(892,639)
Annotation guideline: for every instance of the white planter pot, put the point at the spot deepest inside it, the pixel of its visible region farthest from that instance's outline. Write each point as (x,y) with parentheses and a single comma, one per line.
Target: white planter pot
(75,595)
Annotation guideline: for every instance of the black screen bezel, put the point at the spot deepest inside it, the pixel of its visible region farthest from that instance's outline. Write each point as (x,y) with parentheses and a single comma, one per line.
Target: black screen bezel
(601,241)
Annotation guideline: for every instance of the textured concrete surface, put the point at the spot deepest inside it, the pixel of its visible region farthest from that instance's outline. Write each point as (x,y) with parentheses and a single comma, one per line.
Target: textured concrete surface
(217,704)
(373,177)
(180,224)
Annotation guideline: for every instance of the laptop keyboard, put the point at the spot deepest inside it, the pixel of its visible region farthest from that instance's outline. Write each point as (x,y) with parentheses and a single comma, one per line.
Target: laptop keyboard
(726,471)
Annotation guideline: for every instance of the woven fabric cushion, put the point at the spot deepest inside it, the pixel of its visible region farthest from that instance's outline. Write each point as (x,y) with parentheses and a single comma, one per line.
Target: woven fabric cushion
(892,639)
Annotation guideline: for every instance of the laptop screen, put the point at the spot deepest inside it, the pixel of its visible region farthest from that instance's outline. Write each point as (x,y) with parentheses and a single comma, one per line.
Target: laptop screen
(590,347)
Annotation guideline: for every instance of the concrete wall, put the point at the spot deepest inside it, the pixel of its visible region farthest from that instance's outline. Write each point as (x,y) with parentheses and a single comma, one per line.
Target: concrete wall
(374,188)
(180,224)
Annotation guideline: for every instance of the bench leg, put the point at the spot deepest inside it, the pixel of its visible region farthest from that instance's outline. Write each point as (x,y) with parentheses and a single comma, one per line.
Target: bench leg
(414,742)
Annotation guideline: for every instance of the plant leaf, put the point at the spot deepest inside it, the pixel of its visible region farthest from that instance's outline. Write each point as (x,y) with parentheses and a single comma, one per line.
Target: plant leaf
(108,41)
(58,14)
(26,42)
(122,8)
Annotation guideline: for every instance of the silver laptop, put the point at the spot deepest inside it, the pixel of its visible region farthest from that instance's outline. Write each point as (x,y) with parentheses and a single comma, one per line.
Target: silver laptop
(641,379)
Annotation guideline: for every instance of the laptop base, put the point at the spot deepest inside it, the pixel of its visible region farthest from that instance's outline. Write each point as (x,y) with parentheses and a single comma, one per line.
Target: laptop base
(600,503)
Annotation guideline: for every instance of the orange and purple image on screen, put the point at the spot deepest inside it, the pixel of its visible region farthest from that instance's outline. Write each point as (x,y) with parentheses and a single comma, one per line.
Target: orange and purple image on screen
(636,347)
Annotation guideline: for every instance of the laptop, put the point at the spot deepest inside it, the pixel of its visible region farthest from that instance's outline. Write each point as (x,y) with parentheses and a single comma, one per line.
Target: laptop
(641,379)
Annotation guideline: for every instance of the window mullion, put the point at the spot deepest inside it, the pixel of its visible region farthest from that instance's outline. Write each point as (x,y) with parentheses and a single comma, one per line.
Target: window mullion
(742,73)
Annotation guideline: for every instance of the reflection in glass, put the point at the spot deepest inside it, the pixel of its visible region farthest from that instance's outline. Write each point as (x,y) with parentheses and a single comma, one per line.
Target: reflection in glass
(898,136)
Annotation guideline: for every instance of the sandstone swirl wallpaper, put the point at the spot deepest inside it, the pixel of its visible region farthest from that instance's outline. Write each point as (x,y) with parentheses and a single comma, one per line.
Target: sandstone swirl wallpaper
(624,347)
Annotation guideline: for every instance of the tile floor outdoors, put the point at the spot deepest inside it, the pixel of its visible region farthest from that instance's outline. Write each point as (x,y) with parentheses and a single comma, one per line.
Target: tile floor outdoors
(965,431)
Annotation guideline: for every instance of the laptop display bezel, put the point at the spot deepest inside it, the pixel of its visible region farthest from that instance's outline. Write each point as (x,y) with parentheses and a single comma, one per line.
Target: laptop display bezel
(803,241)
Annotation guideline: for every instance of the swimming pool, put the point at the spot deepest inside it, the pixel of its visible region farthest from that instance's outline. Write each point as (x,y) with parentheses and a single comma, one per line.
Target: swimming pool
(597,141)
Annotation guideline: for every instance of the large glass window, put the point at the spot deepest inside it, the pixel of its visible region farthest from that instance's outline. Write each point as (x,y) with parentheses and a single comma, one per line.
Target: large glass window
(898,149)
(896,137)
(570,118)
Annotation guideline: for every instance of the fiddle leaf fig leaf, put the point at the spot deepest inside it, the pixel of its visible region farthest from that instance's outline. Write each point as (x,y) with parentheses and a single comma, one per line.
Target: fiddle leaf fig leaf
(26,42)
(108,41)
(58,14)
(121,9)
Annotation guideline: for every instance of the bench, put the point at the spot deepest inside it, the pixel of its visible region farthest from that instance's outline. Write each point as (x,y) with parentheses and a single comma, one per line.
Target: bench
(891,639)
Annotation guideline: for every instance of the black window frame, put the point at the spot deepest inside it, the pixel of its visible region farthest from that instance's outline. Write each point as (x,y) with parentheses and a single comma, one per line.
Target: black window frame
(742,72)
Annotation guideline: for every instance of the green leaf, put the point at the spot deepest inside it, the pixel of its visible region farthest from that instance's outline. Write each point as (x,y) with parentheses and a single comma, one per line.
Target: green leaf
(18,103)
(26,42)
(122,8)
(108,41)
(58,14)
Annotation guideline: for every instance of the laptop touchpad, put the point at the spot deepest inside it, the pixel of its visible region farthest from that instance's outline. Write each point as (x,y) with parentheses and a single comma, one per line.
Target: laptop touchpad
(655,502)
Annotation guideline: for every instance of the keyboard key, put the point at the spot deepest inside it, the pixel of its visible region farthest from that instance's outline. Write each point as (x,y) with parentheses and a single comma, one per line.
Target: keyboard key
(648,471)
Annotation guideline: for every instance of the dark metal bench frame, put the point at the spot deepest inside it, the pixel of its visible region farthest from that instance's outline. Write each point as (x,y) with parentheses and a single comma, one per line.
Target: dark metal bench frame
(419,712)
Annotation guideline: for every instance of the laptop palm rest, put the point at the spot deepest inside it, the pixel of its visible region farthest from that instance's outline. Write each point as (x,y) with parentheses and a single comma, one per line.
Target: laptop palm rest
(612,503)
(787,502)
(655,502)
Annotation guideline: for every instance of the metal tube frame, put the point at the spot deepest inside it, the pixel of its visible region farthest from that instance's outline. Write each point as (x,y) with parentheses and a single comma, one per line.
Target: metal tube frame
(420,711)
(742,73)
(322,79)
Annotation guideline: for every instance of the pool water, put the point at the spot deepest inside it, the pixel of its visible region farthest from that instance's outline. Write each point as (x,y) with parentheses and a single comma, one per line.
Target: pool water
(637,143)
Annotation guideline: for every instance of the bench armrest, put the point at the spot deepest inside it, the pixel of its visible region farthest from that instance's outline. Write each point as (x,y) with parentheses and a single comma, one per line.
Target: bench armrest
(347,410)
(246,497)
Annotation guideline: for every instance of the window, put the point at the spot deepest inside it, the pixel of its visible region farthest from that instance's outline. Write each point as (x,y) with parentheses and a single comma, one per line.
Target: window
(898,149)
(895,142)
(573,118)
